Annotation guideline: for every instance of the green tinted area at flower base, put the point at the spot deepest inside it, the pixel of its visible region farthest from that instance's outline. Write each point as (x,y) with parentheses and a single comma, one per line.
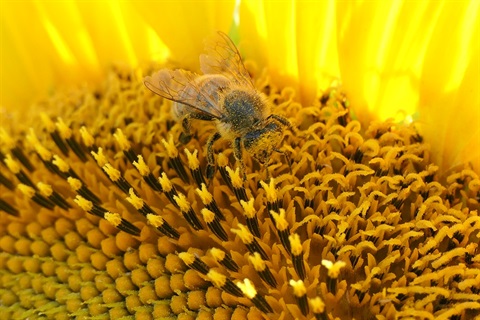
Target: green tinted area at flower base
(104,214)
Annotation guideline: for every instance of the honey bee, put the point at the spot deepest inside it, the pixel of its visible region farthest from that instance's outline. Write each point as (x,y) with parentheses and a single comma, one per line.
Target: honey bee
(225,94)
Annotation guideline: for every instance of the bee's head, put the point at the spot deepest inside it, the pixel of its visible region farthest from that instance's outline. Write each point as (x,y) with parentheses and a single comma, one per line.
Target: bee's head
(261,142)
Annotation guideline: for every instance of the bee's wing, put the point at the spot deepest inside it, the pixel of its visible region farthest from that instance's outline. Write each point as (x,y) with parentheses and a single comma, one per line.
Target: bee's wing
(180,86)
(222,57)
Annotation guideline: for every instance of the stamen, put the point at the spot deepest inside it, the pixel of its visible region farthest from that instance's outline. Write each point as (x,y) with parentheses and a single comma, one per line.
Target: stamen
(262,269)
(224,283)
(300,293)
(113,218)
(66,133)
(213,223)
(5,206)
(6,182)
(194,262)
(237,184)
(45,155)
(318,308)
(88,139)
(174,159)
(9,144)
(147,176)
(187,211)
(333,273)
(222,162)
(116,177)
(209,201)
(251,216)
(283,229)
(162,226)
(51,128)
(297,255)
(79,187)
(224,258)
(273,202)
(168,188)
(250,242)
(250,292)
(124,145)
(14,167)
(194,166)
(47,191)
(35,196)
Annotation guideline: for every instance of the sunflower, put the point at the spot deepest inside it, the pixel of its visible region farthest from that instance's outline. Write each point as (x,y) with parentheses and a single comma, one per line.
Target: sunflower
(371,210)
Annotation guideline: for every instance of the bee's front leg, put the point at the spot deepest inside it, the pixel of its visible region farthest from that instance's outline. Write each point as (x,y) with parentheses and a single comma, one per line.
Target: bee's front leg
(210,155)
(237,152)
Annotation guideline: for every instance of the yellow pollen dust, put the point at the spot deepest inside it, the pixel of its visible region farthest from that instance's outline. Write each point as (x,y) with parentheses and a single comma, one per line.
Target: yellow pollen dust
(114,218)
(45,189)
(187,257)
(204,194)
(60,163)
(333,268)
(295,244)
(270,190)
(172,151)
(165,182)
(6,139)
(154,220)
(12,164)
(47,122)
(26,190)
(122,140)
(247,288)
(64,130)
(299,289)
(280,221)
(134,200)
(192,158)
(113,173)
(257,261)
(74,183)
(217,278)
(87,138)
(245,235)
(237,181)
(99,157)
(208,215)
(182,202)
(141,166)
(83,203)
(248,208)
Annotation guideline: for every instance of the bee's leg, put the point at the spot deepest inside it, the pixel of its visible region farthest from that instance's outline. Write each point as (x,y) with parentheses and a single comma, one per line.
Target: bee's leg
(210,155)
(237,152)
(287,158)
(185,135)
(284,121)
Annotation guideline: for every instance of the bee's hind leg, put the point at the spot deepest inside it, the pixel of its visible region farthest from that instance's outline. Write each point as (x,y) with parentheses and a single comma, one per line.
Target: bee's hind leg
(237,152)
(210,155)
(185,135)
